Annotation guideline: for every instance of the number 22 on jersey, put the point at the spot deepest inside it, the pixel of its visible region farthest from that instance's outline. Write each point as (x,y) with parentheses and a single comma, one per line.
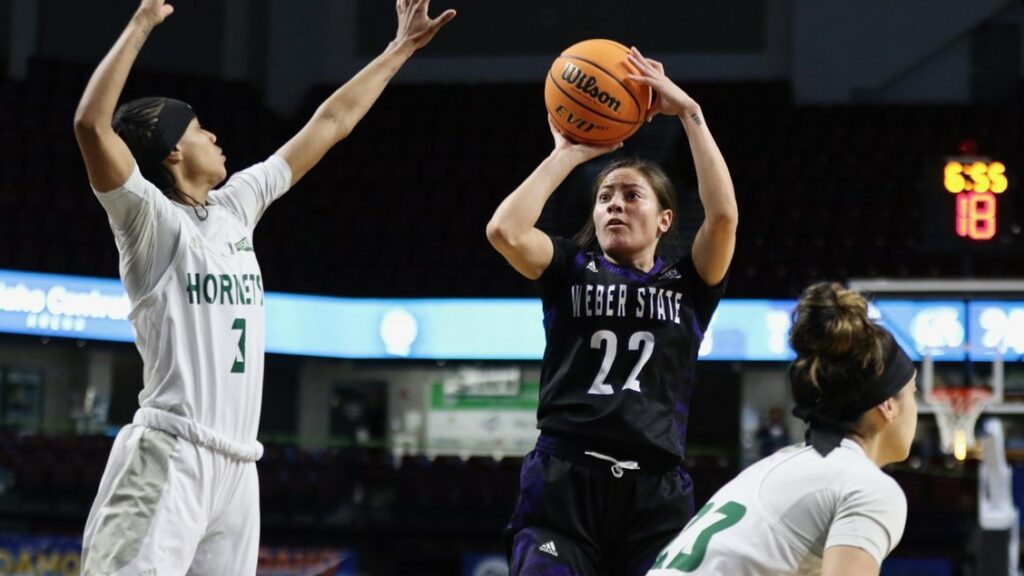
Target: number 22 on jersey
(643,341)
(687,551)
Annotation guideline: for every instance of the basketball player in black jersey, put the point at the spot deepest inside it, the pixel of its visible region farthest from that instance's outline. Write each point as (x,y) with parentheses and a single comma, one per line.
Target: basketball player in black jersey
(603,492)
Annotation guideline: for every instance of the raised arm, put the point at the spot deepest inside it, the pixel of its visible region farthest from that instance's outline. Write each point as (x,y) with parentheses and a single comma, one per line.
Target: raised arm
(715,242)
(512,230)
(107,158)
(335,119)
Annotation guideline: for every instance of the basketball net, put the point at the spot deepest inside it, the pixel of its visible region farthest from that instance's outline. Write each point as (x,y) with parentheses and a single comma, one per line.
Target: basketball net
(957,408)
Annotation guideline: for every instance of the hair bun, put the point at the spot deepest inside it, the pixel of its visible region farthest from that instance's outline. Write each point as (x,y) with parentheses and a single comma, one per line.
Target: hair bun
(838,348)
(832,321)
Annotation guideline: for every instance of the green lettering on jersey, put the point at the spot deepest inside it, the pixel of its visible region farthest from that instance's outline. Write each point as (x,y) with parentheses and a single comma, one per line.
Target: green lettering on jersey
(210,288)
(192,287)
(238,366)
(732,513)
(238,290)
(226,289)
(247,287)
(230,289)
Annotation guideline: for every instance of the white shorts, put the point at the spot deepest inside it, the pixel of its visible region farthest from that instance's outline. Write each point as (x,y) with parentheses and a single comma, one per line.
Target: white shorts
(169,507)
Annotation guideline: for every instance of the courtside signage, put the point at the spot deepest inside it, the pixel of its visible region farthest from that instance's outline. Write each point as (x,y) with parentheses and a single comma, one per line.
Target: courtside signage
(487,329)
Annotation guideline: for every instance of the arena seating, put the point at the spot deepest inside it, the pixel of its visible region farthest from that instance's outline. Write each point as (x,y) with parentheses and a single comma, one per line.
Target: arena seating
(399,208)
(370,490)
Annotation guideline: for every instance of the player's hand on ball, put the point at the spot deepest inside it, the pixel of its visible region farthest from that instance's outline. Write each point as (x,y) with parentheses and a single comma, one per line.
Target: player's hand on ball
(579,152)
(671,99)
(154,12)
(415,26)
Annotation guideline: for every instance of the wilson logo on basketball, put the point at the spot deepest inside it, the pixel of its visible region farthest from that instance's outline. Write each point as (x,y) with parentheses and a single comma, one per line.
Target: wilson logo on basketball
(588,85)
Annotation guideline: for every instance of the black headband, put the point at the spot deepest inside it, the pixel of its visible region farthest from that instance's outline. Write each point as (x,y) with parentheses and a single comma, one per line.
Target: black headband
(171,123)
(829,423)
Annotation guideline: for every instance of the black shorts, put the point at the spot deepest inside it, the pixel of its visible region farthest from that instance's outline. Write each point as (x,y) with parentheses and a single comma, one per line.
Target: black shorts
(577,516)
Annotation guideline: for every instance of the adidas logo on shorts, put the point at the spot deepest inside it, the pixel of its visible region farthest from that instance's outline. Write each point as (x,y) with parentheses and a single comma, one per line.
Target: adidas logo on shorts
(549,547)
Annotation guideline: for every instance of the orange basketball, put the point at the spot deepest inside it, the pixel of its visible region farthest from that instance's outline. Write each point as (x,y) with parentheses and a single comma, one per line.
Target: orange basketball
(589,97)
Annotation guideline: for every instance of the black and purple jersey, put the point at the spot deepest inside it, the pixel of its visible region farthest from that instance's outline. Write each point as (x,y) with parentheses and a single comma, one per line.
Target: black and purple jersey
(621,351)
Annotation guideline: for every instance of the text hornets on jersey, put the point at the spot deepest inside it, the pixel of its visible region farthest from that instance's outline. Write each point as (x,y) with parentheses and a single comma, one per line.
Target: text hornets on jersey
(244,290)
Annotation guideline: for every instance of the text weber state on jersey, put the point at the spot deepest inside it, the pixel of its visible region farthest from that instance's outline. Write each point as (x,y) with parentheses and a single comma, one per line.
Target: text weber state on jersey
(232,289)
(623,301)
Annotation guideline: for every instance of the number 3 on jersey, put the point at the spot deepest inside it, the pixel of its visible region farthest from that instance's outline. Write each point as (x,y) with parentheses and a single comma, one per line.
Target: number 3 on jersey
(643,341)
(696,537)
(239,365)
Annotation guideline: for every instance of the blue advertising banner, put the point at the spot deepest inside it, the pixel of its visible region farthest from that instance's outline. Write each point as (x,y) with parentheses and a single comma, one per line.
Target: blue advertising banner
(61,556)
(488,329)
(40,556)
(68,306)
(996,325)
(284,561)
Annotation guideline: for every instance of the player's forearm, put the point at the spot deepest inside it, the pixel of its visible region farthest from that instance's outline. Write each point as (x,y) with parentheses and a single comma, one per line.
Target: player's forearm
(519,212)
(96,108)
(714,184)
(343,110)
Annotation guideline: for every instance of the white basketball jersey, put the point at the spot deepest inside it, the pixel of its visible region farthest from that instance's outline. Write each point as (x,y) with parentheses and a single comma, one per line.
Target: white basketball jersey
(198,300)
(780,515)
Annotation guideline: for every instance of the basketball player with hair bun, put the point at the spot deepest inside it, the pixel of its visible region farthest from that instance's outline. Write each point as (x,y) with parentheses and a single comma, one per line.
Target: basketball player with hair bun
(180,493)
(822,507)
(604,489)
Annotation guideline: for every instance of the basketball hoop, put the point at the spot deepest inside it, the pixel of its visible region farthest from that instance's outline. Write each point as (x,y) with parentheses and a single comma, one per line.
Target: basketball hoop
(956,411)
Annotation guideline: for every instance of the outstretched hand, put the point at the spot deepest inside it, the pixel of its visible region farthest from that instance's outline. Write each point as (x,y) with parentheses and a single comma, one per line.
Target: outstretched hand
(154,12)
(580,152)
(671,100)
(415,26)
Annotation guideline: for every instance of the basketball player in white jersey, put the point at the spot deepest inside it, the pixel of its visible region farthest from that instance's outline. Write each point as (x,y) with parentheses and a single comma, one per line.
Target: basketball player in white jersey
(822,507)
(180,493)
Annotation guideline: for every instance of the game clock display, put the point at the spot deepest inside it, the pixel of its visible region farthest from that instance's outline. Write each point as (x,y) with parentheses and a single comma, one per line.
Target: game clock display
(968,203)
(977,185)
